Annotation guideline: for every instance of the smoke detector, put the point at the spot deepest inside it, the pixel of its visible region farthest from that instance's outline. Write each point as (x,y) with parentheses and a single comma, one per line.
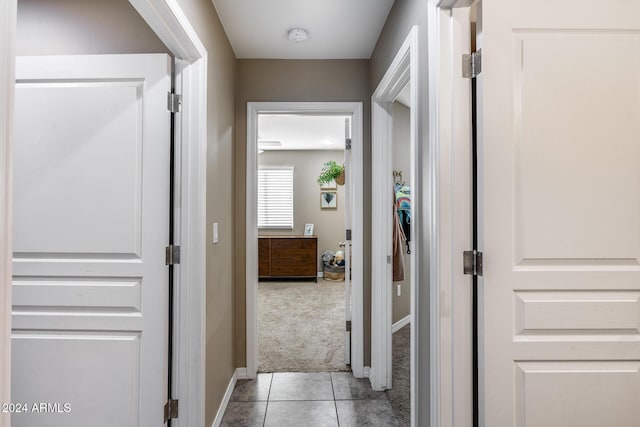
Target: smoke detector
(298,34)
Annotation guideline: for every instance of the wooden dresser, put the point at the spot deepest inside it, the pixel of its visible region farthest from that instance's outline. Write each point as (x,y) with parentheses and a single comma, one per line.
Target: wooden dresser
(288,257)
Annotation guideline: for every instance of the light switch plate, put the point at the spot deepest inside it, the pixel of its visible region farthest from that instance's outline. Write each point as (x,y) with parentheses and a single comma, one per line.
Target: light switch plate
(215,233)
(398,289)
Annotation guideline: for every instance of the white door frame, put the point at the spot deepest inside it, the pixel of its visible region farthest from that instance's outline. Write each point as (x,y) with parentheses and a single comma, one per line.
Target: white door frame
(168,21)
(357,297)
(450,134)
(7,87)
(454,132)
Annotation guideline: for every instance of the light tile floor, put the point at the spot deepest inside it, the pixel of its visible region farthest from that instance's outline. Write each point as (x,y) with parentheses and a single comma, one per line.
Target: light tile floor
(308,400)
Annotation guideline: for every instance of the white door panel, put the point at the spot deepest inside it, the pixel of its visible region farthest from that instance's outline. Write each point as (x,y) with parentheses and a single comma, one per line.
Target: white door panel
(560,213)
(92,165)
(91,209)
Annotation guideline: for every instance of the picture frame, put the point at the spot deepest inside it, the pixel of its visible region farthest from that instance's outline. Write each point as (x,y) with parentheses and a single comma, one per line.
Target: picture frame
(308,230)
(329,185)
(328,200)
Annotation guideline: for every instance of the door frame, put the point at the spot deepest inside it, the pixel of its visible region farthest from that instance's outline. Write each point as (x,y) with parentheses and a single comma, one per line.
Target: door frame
(7,88)
(449,35)
(357,297)
(168,21)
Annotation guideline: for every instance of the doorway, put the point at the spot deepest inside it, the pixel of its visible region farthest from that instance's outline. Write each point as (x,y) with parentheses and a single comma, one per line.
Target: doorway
(302,268)
(329,241)
(401,74)
(399,393)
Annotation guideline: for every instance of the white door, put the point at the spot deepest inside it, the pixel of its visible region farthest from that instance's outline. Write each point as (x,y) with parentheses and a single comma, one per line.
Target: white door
(347,243)
(91,205)
(560,215)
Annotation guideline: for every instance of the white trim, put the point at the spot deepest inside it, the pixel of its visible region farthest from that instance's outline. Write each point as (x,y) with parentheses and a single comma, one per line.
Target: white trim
(454,134)
(404,68)
(401,324)
(366,372)
(251,267)
(217,421)
(433,227)
(171,25)
(320,274)
(7,86)
(189,364)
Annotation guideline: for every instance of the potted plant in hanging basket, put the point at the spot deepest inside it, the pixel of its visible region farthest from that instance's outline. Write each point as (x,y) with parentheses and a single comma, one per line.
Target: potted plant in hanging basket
(331,171)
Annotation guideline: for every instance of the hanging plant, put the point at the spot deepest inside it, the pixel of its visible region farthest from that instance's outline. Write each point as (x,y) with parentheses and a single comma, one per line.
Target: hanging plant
(331,171)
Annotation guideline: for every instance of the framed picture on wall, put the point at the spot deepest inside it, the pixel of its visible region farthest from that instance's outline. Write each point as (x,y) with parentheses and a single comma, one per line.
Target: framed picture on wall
(329,185)
(308,230)
(328,200)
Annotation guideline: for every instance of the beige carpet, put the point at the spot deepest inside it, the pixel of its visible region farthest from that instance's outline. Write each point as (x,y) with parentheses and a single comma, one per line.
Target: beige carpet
(301,326)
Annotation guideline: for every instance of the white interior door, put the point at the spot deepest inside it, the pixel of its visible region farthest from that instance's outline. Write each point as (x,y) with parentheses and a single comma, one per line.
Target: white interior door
(560,222)
(91,204)
(347,243)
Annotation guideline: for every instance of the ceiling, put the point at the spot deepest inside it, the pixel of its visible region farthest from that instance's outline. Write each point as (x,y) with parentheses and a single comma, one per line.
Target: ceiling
(301,132)
(338,29)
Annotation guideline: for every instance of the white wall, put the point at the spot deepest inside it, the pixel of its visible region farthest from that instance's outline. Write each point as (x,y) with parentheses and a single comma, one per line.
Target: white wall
(328,224)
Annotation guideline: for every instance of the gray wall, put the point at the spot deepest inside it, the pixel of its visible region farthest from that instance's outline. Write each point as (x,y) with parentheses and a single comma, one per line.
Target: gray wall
(71,27)
(328,223)
(402,161)
(296,80)
(114,26)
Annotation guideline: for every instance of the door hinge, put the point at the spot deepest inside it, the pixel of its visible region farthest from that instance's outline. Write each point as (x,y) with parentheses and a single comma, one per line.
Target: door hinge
(172,255)
(170,410)
(347,144)
(348,234)
(471,64)
(472,263)
(174,102)
(388,259)
(348,326)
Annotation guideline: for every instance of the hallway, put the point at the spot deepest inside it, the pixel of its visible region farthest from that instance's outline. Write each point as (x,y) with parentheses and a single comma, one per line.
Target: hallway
(308,399)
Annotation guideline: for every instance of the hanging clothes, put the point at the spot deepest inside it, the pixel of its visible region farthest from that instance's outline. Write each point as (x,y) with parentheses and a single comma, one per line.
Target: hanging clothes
(398,237)
(403,203)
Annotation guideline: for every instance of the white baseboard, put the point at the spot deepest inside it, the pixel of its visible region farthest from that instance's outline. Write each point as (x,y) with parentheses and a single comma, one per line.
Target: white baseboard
(227,396)
(366,371)
(320,273)
(400,324)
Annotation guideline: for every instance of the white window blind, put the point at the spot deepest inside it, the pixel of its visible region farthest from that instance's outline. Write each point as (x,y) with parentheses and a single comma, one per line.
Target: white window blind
(275,197)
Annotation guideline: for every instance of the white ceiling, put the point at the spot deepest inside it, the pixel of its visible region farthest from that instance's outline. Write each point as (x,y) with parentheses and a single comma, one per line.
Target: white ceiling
(338,29)
(302,132)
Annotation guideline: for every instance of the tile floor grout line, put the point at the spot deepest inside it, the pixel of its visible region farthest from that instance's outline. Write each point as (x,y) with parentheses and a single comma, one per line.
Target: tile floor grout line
(266,408)
(335,405)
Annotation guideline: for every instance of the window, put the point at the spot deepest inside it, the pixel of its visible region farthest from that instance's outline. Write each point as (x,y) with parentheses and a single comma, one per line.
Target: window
(275,197)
